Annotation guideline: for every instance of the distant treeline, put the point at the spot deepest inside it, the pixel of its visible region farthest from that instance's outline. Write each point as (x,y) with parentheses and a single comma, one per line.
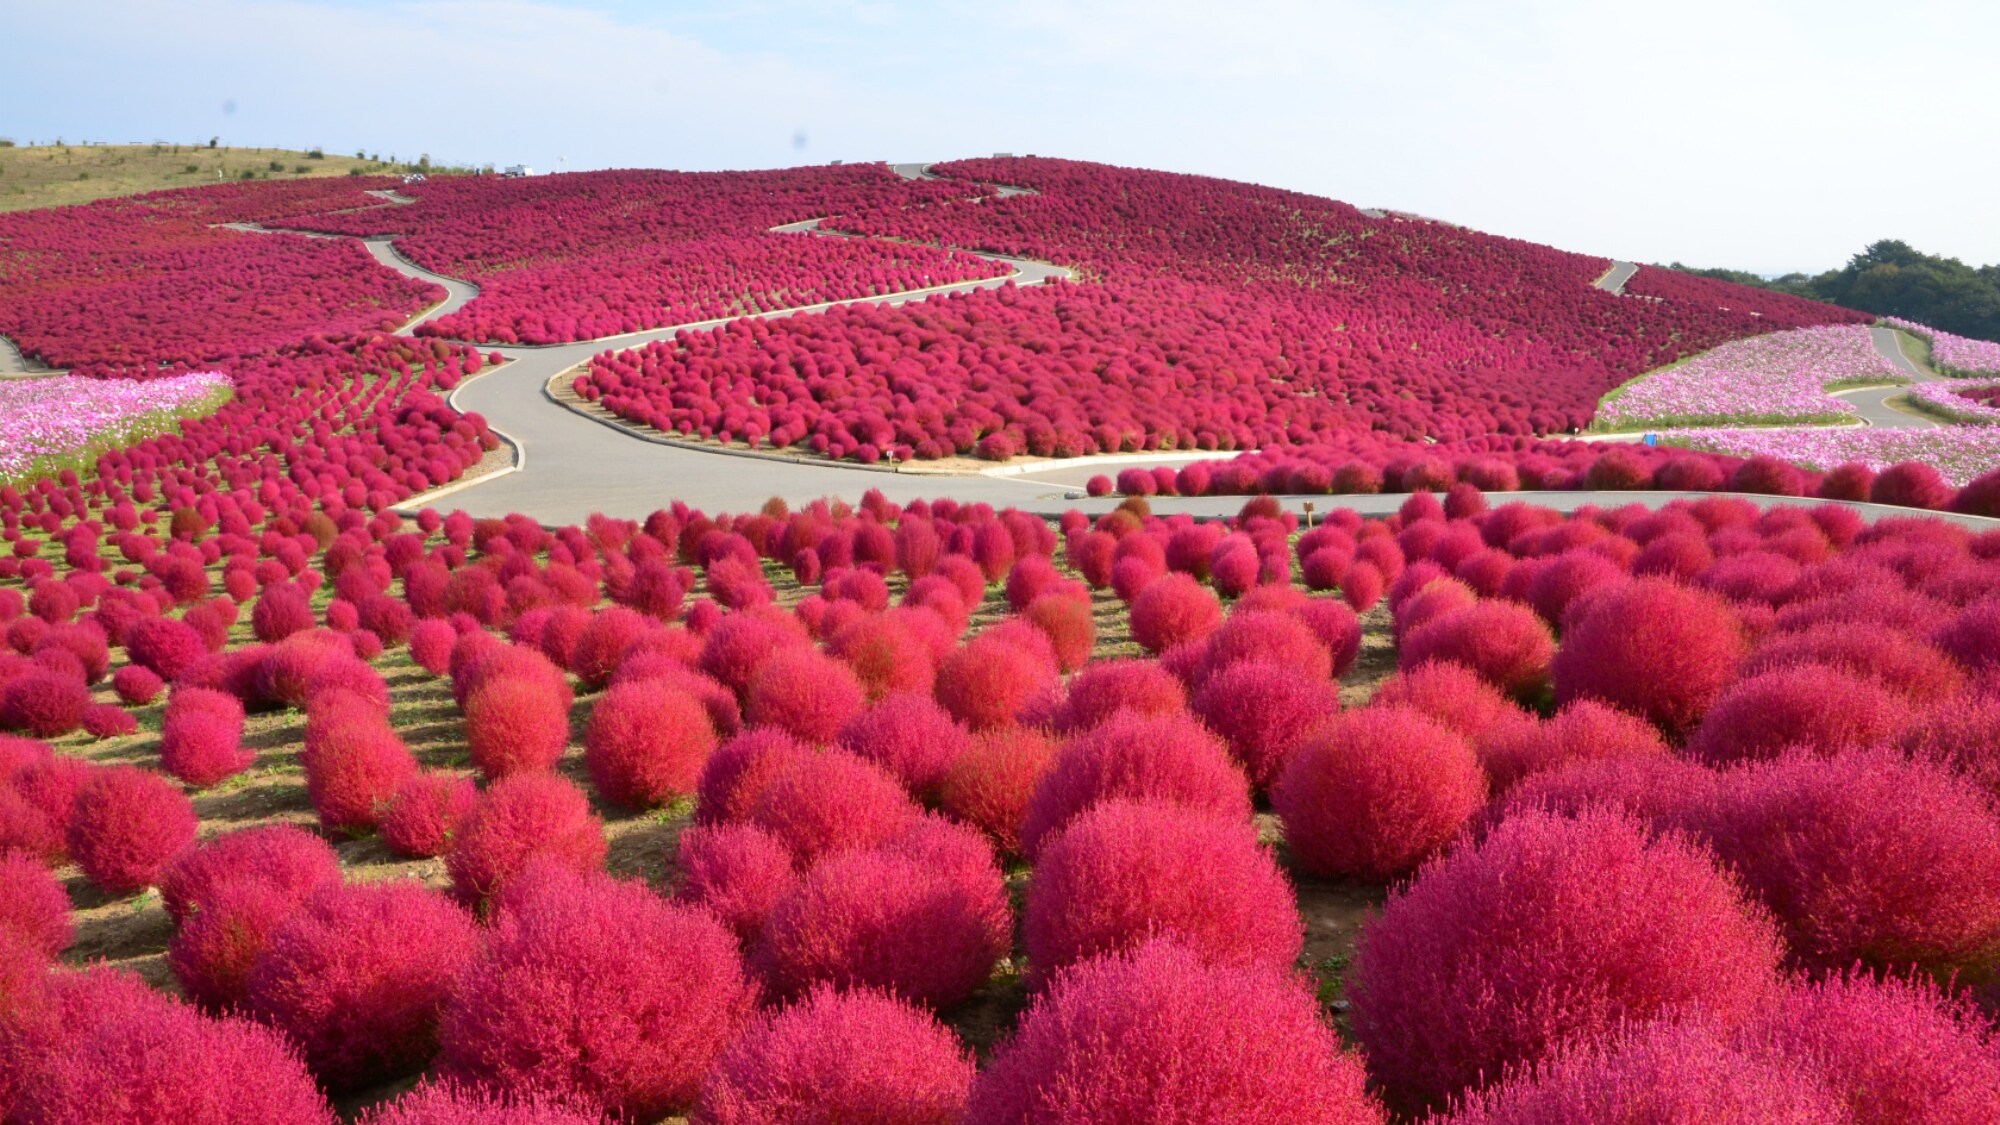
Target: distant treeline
(1891,278)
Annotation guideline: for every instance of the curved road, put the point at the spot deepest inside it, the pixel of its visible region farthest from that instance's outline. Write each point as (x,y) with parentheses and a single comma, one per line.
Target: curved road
(1614,279)
(12,362)
(570,465)
(1872,403)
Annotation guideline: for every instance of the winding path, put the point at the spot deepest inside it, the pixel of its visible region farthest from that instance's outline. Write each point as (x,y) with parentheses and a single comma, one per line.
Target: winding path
(569,464)
(1872,403)
(1614,279)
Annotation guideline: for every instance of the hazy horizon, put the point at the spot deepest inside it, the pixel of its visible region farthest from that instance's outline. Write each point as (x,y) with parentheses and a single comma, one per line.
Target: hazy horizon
(1768,135)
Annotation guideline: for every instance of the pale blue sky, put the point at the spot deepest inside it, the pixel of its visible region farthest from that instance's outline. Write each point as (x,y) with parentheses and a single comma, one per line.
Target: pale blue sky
(1762,134)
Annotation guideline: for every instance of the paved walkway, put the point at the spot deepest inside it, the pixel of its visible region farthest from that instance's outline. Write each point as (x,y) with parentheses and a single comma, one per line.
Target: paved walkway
(12,362)
(570,465)
(1614,279)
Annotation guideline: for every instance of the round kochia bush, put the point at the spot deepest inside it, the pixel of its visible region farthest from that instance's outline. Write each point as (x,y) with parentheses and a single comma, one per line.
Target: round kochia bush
(1173,610)
(1867,856)
(290,859)
(521,818)
(125,825)
(992,782)
(597,990)
(1125,871)
(1660,1072)
(646,742)
(358,975)
(1550,930)
(1652,647)
(1505,643)
(514,723)
(1897,1053)
(910,736)
(804,692)
(1810,706)
(201,737)
(33,906)
(1170,759)
(1376,792)
(840,1056)
(1159,1036)
(797,806)
(454,1103)
(924,916)
(165,1062)
(737,871)
(1263,710)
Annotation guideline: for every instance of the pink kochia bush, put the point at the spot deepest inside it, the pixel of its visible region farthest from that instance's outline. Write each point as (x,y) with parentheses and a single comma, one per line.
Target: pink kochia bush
(358,975)
(455,1103)
(521,818)
(1867,857)
(124,827)
(134,1062)
(201,737)
(426,813)
(646,742)
(33,907)
(792,805)
(1810,706)
(1677,1072)
(1505,643)
(1126,871)
(805,693)
(1264,710)
(597,990)
(924,916)
(993,780)
(1652,647)
(1169,759)
(1160,1036)
(1551,929)
(859,1055)
(738,871)
(292,860)
(1376,792)
(515,723)
(1896,1053)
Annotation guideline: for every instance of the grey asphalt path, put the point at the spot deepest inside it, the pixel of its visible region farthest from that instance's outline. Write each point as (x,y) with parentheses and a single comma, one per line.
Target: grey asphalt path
(459,292)
(1887,343)
(1615,278)
(12,362)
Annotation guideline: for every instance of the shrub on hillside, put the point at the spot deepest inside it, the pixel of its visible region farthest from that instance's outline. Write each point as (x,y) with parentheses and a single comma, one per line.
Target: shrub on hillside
(840,1055)
(596,990)
(987,683)
(354,763)
(363,1006)
(1652,647)
(426,814)
(1453,696)
(214,949)
(1550,930)
(738,771)
(1867,856)
(1808,706)
(1583,731)
(1263,710)
(911,737)
(43,704)
(924,916)
(793,805)
(1159,1035)
(125,825)
(1124,872)
(1166,758)
(646,742)
(513,724)
(454,1103)
(1506,644)
(992,781)
(739,872)
(34,908)
(1373,793)
(293,861)
(201,737)
(1173,610)
(521,818)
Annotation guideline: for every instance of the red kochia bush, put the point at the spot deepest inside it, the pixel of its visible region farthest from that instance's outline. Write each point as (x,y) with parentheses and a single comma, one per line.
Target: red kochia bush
(1125,871)
(1376,792)
(1662,1072)
(201,737)
(1897,1053)
(136,685)
(1160,1036)
(924,916)
(357,977)
(738,871)
(430,645)
(163,645)
(425,815)
(43,704)
(1452,695)
(1660,790)
(513,724)
(992,781)
(986,684)
(1263,710)
(166,1062)
(33,906)
(805,692)
(1173,610)
(1169,758)
(451,1103)
(354,764)
(1505,643)
(911,737)
(793,805)
(599,991)
(281,610)
(840,1056)
(1810,706)
(1549,930)
(519,818)
(125,825)
(646,742)
(738,771)
(1106,687)
(1867,856)
(214,949)
(292,860)
(1652,647)
(1583,731)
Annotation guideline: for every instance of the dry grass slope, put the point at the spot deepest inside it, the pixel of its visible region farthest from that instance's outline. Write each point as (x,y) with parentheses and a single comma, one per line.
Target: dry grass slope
(58,175)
